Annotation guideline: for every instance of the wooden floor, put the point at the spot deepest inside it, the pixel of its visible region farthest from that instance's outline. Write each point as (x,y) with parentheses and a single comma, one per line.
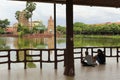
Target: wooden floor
(110,71)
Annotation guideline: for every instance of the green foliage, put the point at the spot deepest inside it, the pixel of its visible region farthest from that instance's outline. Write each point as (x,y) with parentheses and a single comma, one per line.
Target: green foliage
(100,29)
(2,31)
(79,27)
(17,14)
(30,6)
(28,14)
(40,28)
(22,30)
(61,29)
(4,23)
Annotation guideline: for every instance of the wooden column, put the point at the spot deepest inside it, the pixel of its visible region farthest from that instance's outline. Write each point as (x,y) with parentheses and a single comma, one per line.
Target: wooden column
(55,36)
(69,65)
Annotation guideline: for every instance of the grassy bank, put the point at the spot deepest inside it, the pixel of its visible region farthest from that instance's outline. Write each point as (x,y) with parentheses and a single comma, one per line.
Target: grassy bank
(98,36)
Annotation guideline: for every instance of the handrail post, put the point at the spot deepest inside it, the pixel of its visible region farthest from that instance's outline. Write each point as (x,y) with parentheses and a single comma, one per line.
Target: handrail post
(111,52)
(92,51)
(25,63)
(105,53)
(87,49)
(117,55)
(81,54)
(49,55)
(17,55)
(41,59)
(9,61)
(55,65)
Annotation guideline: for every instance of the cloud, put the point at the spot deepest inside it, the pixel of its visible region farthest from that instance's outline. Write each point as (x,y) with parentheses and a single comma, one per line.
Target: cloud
(43,11)
(8,9)
(96,14)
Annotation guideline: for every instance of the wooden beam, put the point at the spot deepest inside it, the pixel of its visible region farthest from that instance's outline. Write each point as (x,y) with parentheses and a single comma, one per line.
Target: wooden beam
(104,3)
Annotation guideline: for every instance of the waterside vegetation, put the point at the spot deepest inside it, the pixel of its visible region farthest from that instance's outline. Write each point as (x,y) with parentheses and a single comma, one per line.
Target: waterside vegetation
(97,29)
(80,28)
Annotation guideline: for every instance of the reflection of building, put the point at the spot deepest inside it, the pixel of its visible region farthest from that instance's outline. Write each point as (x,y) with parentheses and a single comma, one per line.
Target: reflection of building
(50,25)
(50,43)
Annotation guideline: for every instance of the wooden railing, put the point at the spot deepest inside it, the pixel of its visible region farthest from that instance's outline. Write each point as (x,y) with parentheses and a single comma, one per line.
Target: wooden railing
(40,54)
(108,51)
(49,55)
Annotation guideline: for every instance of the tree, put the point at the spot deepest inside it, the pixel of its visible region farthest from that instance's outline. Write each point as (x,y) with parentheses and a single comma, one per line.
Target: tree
(30,7)
(40,28)
(61,29)
(22,30)
(17,15)
(27,14)
(4,23)
(79,27)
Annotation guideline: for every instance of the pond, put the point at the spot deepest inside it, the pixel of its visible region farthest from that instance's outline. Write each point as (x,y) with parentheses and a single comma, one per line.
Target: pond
(35,43)
(48,43)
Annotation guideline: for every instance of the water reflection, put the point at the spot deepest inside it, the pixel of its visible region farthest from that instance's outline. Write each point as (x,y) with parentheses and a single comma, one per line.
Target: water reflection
(21,58)
(83,42)
(21,43)
(3,44)
(48,43)
(34,43)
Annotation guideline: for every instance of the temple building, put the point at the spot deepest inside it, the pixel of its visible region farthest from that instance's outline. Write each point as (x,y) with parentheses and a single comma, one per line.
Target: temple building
(50,25)
(24,21)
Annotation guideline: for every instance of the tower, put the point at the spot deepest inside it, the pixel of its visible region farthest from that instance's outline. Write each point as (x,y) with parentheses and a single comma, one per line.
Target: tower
(50,25)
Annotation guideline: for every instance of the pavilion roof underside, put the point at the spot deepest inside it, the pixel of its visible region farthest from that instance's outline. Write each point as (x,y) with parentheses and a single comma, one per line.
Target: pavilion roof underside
(104,3)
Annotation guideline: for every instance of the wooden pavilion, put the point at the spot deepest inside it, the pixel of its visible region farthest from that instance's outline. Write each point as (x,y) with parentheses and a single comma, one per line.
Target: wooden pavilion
(69,66)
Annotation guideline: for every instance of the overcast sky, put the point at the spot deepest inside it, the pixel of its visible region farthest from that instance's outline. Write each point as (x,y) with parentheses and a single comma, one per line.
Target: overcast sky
(85,14)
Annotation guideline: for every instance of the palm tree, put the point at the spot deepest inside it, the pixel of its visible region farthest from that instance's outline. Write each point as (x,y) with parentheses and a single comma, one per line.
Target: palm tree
(30,7)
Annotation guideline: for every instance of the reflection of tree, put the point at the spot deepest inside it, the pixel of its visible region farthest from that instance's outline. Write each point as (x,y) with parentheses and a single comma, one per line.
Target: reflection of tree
(61,40)
(22,43)
(3,44)
(85,41)
(21,58)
